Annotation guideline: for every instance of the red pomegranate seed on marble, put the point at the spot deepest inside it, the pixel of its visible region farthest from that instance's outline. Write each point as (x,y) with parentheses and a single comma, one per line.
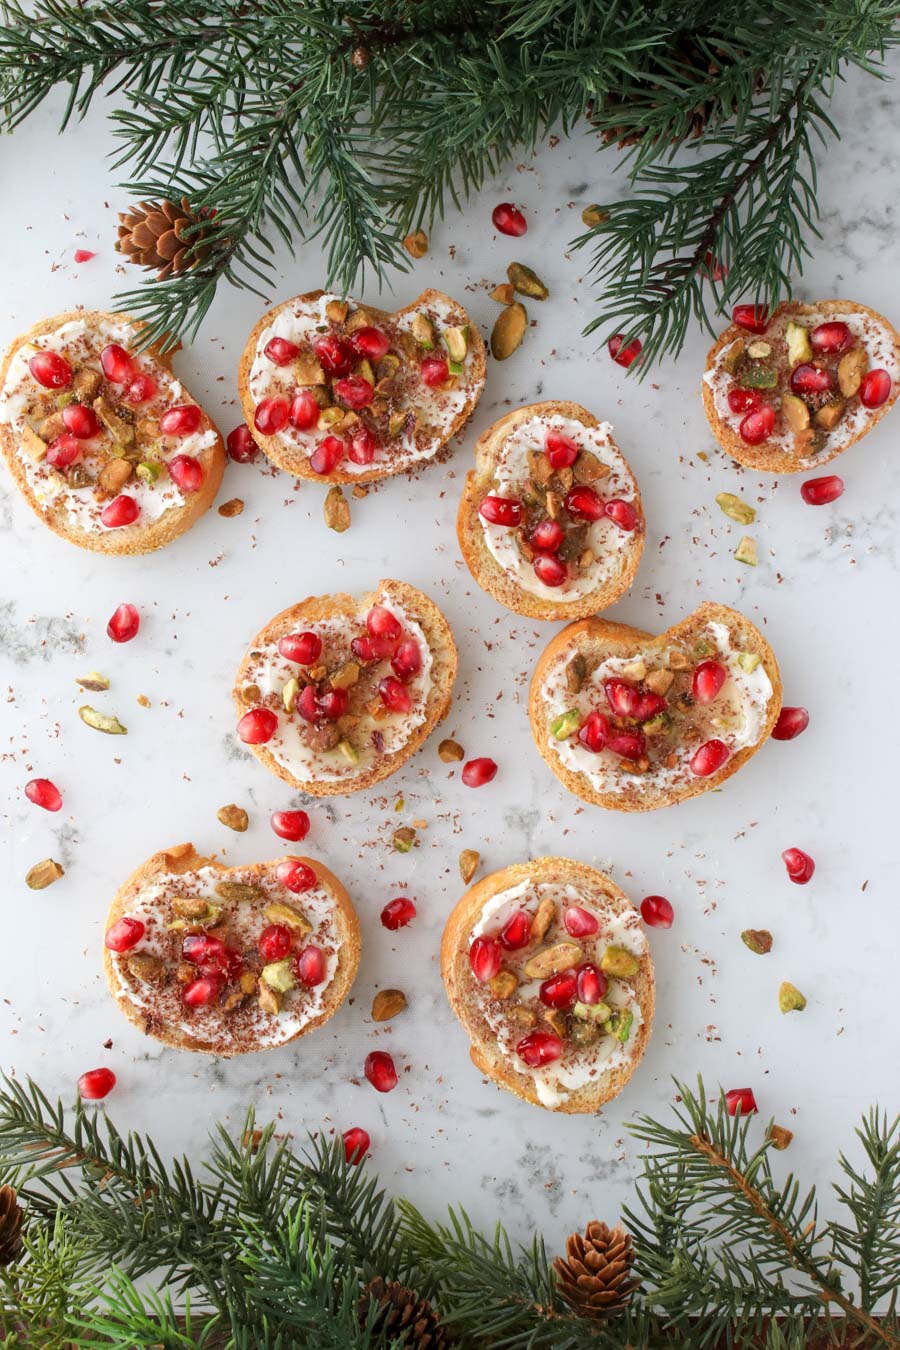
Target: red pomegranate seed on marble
(140,390)
(752,318)
(516,932)
(371,343)
(183,420)
(382,623)
(242,448)
(364,445)
(304,413)
(124,934)
(274,942)
(550,570)
(657,912)
(380,1072)
(560,449)
(834,336)
(622,514)
(50,370)
(742,1098)
(708,680)
(508,219)
(281,351)
(591,983)
(622,697)
(354,391)
(477,772)
(394,695)
(407,659)
(485,958)
(398,913)
(501,510)
(743,400)
(310,966)
(186,473)
(822,491)
(96,1084)
(124,624)
(626,742)
(327,455)
(292,825)
(122,510)
(304,648)
(83,255)
(593,732)
(758,425)
(81,421)
(808,379)
(271,415)
(709,758)
(624,355)
(560,991)
(791,723)
(580,922)
(800,865)
(65,451)
(335,356)
(584,503)
(875,388)
(539,1047)
(118,366)
(257,726)
(434,371)
(295,875)
(203,991)
(548,536)
(43,793)
(356,1145)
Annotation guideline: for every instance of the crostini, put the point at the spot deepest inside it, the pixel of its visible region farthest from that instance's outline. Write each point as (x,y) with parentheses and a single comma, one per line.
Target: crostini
(550,522)
(547,967)
(338,691)
(634,722)
(230,959)
(788,392)
(104,442)
(341,392)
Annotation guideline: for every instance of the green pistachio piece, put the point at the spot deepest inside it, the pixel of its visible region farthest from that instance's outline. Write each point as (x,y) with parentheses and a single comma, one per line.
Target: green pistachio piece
(526,282)
(594,216)
(790,999)
(456,340)
(149,471)
(350,752)
(422,330)
(101,721)
(733,357)
(278,975)
(798,344)
(658,725)
(734,508)
(592,1012)
(619,961)
(620,1024)
(759,940)
(404,838)
(456,367)
(289,691)
(563,726)
(759,377)
(748,661)
(746,551)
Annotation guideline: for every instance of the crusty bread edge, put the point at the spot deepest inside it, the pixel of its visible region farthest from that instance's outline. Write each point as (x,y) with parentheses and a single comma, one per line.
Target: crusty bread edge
(455,967)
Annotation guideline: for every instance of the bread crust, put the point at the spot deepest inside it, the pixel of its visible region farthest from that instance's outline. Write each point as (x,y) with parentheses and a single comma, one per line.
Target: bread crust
(457,981)
(773,459)
(296,462)
(184,858)
(619,639)
(128,540)
(439,636)
(480,561)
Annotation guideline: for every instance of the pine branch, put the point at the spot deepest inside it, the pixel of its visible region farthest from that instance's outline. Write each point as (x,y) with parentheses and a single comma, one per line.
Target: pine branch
(871,1247)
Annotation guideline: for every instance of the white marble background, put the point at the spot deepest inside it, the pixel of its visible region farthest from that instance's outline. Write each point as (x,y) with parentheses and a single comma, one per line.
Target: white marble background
(825,592)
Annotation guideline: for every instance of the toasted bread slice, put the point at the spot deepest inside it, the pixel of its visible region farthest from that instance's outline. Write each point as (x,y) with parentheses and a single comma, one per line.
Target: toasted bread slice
(600,557)
(810,428)
(183,899)
(402,422)
(594,1064)
(361,745)
(128,455)
(647,735)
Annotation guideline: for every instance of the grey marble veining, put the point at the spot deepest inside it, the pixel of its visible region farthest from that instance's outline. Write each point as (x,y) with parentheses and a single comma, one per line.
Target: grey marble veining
(825,592)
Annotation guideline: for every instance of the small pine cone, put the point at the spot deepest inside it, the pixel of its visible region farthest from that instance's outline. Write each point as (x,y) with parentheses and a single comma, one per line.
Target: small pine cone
(10,1225)
(596,1278)
(401,1311)
(155,235)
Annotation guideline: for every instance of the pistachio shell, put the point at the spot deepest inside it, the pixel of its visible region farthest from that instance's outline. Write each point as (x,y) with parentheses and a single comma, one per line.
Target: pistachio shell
(468,864)
(43,874)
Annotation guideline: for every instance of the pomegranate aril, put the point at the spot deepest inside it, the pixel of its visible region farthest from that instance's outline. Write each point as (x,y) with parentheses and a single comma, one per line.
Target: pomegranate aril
(516,932)
(81,421)
(708,680)
(140,390)
(292,825)
(356,1145)
(369,648)
(304,648)
(477,772)
(310,966)
(181,421)
(560,449)
(548,536)
(539,1047)
(807,379)
(501,510)
(822,491)
(875,388)
(485,958)
(257,726)
(657,912)
(124,624)
(624,354)
(122,510)
(743,400)
(398,913)
(271,415)
(334,356)
(124,934)
(508,219)
(752,318)
(363,446)
(327,455)
(280,351)
(743,1098)
(550,570)
(83,255)
(831,337)
(434,371)
(43,793)
(370,342)
(186,473)
(622,697)
(709,758)
(333,704)
(382,623)
(407,660)
(296,876)
(593,732)
(274,942)
(354,391)
(96,1084)
(201,949)
(203,991)
(304,413)
(394,695)
(560,991)
(758,425)
(379,1070)
(715,269)
(241,446)
(791,722)
(649,705)
(584,503)
(800,865)
(65,451)
(50,370)
(117,364)
(627,743)
(590,983)
(580,922)
(622,514)
(308,704)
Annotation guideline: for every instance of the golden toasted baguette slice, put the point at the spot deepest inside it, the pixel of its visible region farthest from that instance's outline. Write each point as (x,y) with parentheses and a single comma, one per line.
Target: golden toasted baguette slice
(589,557)
(551,920)
(821,374)
(634,722)
(341,392)
(182,950)
(85,445)
(338,691)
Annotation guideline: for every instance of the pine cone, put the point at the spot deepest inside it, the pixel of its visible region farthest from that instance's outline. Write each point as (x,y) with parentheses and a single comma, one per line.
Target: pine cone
(155,234)
(10,1225)
(401,1310)
(596,1276)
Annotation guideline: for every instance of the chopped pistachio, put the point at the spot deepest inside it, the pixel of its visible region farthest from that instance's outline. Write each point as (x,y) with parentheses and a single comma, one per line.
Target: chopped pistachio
(456,340)
(251,693)
(235,817)
(337,311)
(733,357)
(759,377)
(658,725)
(337,510)
(93,681)
(594,215)
(780,1136)
(508,331)
(422,330)
(798,344)
(416,244)
(147,968)
(278,975)
(563,726)
(195,907)
(450,752)
(404,838)
(270,999)
(289,691)
(544,917)
(829,416)
(759,350)
(349,751)
(387,1003)
(233,507)
(468,864)
(592,1012)
(561,956)
(736,509)
(748,661)
(660,681)
(111,726)
(851,368)
(759,940)
(278,911)
(32,444)
(149,471)
(238,892)
(346,676)
(504,984)
(526,281)
(790,999)
(504,294)
(43,874)
(619,961)
(635,670)
(620,1024)
(746,551)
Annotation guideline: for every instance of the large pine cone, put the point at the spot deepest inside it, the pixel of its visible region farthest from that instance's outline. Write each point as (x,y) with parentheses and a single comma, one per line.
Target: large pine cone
(401,1310)
(10,1225)
(596,1276)
(156,235)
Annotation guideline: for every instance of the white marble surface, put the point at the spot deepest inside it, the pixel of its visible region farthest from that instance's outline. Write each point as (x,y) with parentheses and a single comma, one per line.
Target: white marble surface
(825,592)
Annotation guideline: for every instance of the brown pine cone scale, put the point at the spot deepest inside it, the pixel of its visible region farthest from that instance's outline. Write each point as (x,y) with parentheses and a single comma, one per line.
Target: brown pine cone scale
(163,236)
(595,1276)
(401,1312)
